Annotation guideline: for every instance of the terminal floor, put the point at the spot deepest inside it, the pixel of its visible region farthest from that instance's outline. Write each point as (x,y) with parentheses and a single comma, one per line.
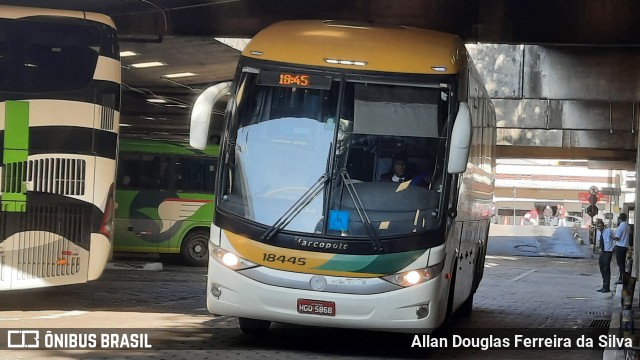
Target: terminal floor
(518,293)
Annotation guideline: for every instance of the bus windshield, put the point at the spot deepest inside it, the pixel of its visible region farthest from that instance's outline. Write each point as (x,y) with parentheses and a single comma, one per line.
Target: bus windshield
(39,56)
(374,149)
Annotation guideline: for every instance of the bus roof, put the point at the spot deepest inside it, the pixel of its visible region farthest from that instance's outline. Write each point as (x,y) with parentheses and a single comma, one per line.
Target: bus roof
(17,12)
(164,147)
(390,49)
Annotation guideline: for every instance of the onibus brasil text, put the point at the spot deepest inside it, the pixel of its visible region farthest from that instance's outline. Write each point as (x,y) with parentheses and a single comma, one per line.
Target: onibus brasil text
(56,340)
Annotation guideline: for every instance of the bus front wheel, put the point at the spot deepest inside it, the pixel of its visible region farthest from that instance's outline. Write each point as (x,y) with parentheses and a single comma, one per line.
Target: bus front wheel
(195,248)
(253,326)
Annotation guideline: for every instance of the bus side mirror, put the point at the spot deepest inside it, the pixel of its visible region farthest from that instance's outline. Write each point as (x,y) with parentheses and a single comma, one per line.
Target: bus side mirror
(201,114)
(460,141)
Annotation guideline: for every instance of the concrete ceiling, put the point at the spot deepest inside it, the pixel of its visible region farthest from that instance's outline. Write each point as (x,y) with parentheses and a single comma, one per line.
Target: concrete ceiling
(512,21)
(180,33)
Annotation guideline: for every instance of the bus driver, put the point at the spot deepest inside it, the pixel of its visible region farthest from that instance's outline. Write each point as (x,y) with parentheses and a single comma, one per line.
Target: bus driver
(401,172)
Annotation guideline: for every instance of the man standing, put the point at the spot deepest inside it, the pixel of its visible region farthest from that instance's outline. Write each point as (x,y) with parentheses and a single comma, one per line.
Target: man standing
(533,216)
(622,243)
(547,213)
(562,214)
(605,241)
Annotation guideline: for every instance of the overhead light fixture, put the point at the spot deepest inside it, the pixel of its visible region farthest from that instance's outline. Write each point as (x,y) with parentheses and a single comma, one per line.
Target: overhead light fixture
(128,53)
(439,68)
(179,75)
(156,100)
(125,125)
(148,64)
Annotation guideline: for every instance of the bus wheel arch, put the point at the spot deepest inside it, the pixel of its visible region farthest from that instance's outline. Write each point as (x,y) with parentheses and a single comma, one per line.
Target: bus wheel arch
(194,248)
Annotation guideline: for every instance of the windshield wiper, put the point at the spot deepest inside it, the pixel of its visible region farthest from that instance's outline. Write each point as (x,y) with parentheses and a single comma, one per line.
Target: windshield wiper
(295,209)
(371,232)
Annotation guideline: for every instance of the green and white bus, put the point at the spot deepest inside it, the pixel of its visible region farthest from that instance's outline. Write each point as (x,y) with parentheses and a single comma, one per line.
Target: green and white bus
(165,198)
(59,121)
(310,228)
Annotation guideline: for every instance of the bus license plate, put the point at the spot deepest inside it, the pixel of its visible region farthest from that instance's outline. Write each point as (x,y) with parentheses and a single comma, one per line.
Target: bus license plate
(317,307)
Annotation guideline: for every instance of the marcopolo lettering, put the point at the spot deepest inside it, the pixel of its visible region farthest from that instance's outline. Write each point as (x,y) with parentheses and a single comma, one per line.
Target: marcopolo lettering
(318,244)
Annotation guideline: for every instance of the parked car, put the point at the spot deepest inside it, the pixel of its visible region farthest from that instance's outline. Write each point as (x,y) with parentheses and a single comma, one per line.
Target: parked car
(570,220)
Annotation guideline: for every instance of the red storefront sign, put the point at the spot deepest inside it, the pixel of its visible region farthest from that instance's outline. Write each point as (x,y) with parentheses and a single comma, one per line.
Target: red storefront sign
(583,196)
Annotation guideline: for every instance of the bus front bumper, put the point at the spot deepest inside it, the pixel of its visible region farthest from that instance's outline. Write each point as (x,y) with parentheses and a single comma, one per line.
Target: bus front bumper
(418,308)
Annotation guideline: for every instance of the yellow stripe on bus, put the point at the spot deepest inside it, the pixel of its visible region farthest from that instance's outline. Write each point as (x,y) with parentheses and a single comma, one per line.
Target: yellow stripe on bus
(301,261)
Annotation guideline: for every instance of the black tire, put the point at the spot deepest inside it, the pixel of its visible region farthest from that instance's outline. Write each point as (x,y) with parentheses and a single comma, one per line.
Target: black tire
(194,249)
(254,326)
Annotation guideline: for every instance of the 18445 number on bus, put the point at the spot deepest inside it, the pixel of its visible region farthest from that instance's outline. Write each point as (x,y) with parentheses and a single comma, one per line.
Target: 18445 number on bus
(284,259)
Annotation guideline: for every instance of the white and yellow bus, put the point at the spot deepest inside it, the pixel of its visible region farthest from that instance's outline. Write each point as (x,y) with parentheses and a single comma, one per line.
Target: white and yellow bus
(59,116)
(307,229)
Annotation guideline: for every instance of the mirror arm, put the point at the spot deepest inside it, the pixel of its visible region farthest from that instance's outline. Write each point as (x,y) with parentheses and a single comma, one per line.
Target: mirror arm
(201,114)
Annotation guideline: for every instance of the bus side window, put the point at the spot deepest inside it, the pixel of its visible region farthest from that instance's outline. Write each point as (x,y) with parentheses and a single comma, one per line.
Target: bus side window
(164,173)
(154,173)
(128,171)
(209,170)
(195,174)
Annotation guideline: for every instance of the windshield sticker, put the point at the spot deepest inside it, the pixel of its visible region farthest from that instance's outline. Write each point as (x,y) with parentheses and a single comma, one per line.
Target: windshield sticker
(403,185)
(339,220)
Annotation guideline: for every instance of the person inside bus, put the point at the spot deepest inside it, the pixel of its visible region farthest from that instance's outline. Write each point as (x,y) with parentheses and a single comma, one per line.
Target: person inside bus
(402,171)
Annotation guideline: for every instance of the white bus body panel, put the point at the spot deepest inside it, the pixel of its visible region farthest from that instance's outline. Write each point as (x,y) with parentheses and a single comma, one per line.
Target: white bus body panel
(28,260)
(389,311)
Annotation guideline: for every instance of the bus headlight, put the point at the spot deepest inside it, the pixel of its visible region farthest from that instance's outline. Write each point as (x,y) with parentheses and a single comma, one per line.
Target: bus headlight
(413,277)
(229,259)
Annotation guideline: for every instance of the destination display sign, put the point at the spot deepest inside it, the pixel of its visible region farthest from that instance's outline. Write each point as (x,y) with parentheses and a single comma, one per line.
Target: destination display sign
(290,79)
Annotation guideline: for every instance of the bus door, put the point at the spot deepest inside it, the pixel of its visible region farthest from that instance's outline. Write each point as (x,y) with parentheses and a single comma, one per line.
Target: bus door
(135,230)
(194,184)
(139,224)
(465,264)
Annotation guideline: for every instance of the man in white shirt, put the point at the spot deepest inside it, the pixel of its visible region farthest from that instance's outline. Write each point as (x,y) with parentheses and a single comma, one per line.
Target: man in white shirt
(622,243)
(605,242)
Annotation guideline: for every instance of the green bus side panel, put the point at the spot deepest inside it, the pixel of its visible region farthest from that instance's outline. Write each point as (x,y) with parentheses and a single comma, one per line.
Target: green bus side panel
(203,217)
(154,221)
(15,152)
